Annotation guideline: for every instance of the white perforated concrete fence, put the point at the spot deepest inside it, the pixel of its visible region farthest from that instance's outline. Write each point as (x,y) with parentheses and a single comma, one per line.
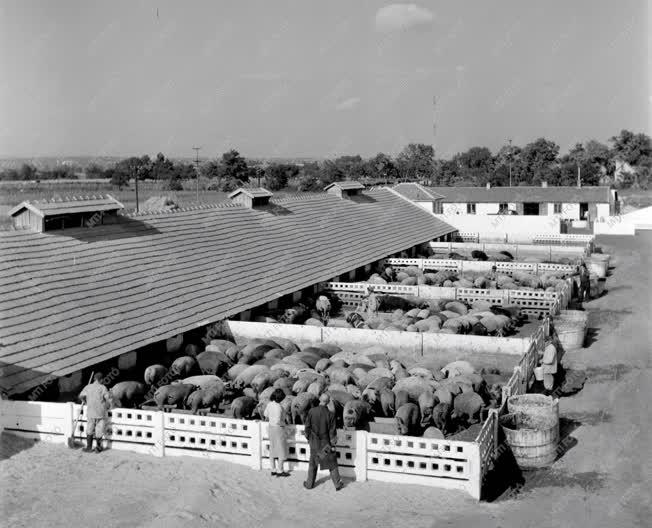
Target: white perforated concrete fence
(478,266)
(555,239)
(539,249)
(361,455)
(534,303)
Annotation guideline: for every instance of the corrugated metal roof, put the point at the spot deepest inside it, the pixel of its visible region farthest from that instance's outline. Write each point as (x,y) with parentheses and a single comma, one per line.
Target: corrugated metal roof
(257,192)
(74,298)
(345,185)
(523,194)
(69,205)
(416,192)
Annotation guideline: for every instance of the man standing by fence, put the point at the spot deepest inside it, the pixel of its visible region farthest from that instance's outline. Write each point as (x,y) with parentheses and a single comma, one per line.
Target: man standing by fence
(322,437)
(97,400)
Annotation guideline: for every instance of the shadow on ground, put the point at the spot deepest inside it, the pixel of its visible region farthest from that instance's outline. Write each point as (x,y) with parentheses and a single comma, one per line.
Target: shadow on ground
(11,445)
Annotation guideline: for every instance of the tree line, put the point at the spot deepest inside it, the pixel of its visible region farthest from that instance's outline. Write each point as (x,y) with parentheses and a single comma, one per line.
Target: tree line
(625,162)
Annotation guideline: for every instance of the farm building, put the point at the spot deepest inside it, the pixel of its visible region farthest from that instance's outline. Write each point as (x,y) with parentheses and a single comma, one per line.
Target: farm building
(97,292)
(572,203)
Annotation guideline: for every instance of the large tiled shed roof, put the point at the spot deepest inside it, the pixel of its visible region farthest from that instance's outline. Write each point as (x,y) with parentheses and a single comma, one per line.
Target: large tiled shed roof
(76,297)
(522,194)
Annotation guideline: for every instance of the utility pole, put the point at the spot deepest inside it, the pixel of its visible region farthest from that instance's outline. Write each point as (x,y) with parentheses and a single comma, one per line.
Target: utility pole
(510,162)
(579,179)
(197,149)
(134,173)
(434,134)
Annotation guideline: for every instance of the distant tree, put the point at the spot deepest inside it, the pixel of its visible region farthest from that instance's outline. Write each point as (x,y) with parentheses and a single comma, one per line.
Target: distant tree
(235,166)
(476,158)
(9,175)
(27,172)
(330,172)
(415,162)
(536,160)
(382,167)
(635,149)
(119,177)
(277,175)
(94,171)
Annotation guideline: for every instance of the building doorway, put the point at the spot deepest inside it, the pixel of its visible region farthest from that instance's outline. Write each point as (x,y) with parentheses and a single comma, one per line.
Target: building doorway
(584,209)
(531,208)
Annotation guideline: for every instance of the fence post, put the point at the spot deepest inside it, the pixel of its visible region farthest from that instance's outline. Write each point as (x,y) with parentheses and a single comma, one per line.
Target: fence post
(68,431)
(256,445)
(475,471)
(158,449)
(361,456)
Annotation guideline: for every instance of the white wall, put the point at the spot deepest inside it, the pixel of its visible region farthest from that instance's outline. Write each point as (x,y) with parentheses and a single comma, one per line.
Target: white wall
(641,218)
(517,227)
(453,208)
(614,225)
(486,208)
(428,206)
(603,210)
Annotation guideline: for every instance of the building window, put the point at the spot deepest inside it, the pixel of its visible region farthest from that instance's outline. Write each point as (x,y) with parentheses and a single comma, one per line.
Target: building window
(503,208)
(470,208)
(557,208)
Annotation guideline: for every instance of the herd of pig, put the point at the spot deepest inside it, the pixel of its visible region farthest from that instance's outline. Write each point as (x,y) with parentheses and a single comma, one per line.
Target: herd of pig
(518,280)
(425,399)
(412,314)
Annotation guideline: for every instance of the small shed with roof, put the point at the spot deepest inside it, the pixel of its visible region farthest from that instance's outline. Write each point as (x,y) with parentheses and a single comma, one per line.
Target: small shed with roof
(62,213)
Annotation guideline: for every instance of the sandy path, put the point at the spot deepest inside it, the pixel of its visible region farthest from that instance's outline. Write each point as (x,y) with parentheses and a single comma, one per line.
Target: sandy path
(600,480)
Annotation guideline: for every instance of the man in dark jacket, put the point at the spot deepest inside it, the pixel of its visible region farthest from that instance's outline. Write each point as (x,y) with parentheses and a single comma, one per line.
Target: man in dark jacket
(322,437)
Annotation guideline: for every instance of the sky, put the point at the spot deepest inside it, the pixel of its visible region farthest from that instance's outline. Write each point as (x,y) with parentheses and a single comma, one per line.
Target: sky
(280,78)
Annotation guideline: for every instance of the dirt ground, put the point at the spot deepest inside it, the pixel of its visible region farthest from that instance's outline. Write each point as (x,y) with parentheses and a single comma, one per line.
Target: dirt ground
(601,479)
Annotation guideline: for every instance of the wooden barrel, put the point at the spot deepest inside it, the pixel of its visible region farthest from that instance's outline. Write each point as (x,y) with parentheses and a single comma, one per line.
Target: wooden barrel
(598,266)
(532,439)
(534,405)
(571,327)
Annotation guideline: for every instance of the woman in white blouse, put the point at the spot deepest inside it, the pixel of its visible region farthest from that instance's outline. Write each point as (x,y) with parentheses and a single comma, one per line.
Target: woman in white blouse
(277,442)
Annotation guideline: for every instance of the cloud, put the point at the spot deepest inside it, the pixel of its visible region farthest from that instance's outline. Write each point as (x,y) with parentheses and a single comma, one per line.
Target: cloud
(348,104)
(401,17)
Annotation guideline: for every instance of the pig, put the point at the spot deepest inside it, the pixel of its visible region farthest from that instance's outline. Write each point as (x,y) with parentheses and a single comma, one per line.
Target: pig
(261,381)
(441,416)
(301,404)
(154,374)
(174,394)
(127,394)
(203,398)
(401,397)
(432,432)
(356,414)
(216,363)
(387,402)
(245,377)
(467,407)
(407,419)
(184,366)
(243,407)
(322,365)
(426,403)
(204,382)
